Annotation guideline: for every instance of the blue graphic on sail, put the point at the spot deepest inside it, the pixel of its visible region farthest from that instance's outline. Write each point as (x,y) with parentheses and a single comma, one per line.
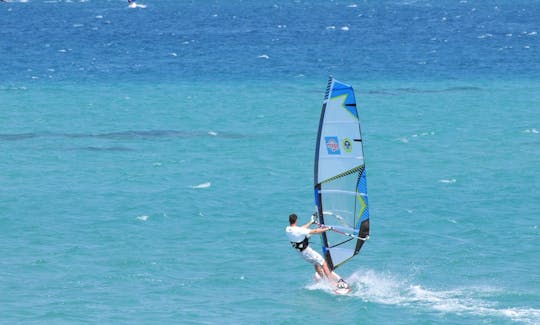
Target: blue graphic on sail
(332,145)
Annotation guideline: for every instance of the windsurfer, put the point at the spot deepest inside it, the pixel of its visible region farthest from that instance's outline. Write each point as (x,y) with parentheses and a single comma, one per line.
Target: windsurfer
(298,235)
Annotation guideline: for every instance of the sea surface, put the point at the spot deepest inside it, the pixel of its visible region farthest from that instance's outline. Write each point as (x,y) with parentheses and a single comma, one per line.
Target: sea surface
(150,157)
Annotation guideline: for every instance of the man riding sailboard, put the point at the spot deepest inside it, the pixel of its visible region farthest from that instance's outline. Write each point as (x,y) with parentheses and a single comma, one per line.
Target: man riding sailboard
(299,238)
(340,188)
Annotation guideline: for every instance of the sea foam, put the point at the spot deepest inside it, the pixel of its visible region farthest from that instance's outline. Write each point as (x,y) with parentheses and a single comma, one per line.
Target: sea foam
(383,288)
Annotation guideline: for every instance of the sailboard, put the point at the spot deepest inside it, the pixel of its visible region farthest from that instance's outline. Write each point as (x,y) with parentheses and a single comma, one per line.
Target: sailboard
(340,176)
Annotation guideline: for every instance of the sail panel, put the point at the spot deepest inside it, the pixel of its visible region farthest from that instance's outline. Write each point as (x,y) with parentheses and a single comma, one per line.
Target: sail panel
(340,179)
(339,147)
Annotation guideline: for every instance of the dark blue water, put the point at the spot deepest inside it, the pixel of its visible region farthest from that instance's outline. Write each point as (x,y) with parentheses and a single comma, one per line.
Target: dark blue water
(182,40)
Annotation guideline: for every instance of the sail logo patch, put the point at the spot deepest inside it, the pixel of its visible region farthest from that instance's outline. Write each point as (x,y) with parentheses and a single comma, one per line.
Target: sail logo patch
(332,145)
(347,145)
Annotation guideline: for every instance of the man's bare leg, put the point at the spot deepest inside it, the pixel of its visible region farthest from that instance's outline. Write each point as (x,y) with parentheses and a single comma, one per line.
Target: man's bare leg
(319,271)
(329,275)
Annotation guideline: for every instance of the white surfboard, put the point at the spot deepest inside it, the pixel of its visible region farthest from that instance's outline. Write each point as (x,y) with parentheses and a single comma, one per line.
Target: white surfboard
(341,287)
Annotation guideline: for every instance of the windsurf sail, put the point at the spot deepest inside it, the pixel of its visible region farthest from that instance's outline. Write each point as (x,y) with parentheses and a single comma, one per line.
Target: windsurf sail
(340,176)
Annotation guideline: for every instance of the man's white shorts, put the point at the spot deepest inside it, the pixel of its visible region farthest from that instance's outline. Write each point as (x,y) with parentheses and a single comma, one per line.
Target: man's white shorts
(312,256)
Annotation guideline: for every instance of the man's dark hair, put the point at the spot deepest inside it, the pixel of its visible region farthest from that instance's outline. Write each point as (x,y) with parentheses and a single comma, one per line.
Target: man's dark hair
(292,218)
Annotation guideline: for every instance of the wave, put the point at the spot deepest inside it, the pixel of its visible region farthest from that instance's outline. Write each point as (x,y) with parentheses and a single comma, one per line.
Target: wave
(415,136)
(374,287)
(12,88)
(122,135)
(113,148)
(448,181)
(397,91)
(203,185)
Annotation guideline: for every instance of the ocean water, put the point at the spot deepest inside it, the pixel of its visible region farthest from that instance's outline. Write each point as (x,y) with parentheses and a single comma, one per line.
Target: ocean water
(150,157)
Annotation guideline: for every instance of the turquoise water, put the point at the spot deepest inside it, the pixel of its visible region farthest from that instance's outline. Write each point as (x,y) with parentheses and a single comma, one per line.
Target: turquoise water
(106,225)
(158,192)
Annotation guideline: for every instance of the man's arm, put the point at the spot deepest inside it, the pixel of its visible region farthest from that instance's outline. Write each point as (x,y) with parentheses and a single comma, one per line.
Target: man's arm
(307,225)
(311,221)
(319,230)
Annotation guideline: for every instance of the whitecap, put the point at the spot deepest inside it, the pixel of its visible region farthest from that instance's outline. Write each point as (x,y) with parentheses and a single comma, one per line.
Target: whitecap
(448,181)
(212,133)
(143,217)
(203,185)
(263,56)
(345,28)
(487,35)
